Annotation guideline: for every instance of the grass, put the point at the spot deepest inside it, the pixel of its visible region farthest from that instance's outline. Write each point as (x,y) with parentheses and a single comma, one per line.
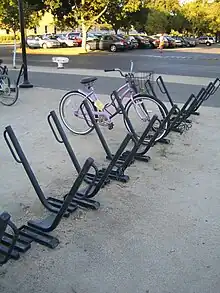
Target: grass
(55,51)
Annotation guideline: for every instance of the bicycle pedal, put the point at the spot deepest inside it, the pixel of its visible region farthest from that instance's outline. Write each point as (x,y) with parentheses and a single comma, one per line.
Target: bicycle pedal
(111,126)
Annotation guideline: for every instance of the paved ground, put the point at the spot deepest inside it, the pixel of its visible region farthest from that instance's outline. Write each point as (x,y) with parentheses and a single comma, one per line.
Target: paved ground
(197,63)
(157,234)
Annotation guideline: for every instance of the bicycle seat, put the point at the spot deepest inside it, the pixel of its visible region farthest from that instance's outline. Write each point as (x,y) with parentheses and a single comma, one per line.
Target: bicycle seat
(88,80)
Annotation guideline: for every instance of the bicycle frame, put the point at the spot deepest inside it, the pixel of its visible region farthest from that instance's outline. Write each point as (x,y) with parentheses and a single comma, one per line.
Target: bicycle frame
(123,92)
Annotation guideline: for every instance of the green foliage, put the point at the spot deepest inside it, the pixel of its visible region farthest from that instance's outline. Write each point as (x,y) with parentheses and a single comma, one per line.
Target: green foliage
(157,22)
(9,15)
(8,39)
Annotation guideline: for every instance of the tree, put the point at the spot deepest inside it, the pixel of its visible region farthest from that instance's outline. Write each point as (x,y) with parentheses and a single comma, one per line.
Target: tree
(9,15)
(115,15)
(196,13)
(78,12)
(157,22)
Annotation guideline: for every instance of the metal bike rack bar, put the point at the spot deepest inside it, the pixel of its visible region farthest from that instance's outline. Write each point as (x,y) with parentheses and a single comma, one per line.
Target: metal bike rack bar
(164,90)
(108,172)
(97,129)
(21,72)
(205,94)
(99,133)
(51,222)
(7,250)
(21,159)
(89,178)
(17,241)
(137,141)
(182,116)
(115,94)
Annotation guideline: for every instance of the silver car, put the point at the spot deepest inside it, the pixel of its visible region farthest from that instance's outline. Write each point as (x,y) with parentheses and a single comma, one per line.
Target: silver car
(37,41)
(65,42)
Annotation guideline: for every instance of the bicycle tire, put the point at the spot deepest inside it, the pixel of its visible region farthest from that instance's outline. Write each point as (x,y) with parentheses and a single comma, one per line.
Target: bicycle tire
(62,104)
(11,100)
(162,109)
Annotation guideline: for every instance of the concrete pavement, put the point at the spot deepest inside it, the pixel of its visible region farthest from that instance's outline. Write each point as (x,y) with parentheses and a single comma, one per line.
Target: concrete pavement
(159,233)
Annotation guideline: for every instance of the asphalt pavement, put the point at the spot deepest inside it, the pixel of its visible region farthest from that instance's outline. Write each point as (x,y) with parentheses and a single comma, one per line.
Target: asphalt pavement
(193,65)
(170,62)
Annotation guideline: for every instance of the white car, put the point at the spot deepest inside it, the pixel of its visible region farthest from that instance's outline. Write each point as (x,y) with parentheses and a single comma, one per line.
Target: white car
(65,42)
(208,41)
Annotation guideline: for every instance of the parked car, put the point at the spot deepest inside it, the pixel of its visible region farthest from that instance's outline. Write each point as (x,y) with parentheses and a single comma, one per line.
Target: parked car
(156,41)
(107,42)
(179,41)
(65,42)
(38,41)
(171,42)
(76,37)
(208,41)
(143,43)
(190,42)
(132,42)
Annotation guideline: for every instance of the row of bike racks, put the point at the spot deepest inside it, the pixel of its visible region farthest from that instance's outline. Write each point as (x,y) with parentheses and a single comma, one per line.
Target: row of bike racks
(14,241)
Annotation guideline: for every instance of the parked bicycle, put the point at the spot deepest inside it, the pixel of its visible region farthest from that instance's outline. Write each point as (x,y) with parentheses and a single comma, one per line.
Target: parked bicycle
(8,92)
(137,105)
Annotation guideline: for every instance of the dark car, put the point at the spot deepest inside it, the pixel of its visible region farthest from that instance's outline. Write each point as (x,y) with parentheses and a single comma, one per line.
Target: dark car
(190,41)
(171,42)
(107,42)
(131,41)
(179,41)
(143,42)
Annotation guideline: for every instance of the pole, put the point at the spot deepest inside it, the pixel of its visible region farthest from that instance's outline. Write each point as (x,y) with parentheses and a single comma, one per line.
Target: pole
(26,83)
(14,53)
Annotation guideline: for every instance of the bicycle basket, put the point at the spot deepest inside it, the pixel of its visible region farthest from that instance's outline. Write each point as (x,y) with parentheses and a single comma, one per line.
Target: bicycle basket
(139,79)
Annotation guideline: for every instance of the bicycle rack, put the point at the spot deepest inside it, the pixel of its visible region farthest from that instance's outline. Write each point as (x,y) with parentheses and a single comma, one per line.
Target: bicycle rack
(109,172)
(120,159)
(137,141)
(179,122)
(21,159)
(52,221)
(90,178)
(202,96)
(17,241)
(20,74)
(7,250)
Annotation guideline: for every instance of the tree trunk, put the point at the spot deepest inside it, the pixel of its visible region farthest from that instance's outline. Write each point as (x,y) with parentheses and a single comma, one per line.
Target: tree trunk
(115,30)
(84,36)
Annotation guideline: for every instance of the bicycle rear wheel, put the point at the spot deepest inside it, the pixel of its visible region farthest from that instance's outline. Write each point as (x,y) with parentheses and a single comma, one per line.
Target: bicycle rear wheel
(71,112)
(8,93)
(141,110)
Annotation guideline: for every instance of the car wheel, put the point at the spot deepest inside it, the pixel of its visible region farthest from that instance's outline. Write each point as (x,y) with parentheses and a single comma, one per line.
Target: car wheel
(44,46)
(113,48)
(64,45)
(208,44)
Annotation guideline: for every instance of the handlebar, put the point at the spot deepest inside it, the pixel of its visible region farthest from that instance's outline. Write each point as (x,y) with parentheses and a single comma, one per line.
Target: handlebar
(116,69)
(120,71)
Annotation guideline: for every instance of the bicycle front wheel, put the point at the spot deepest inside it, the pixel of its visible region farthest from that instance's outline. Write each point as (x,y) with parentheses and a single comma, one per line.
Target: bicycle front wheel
(141,110)
(74,114)
(8,93)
